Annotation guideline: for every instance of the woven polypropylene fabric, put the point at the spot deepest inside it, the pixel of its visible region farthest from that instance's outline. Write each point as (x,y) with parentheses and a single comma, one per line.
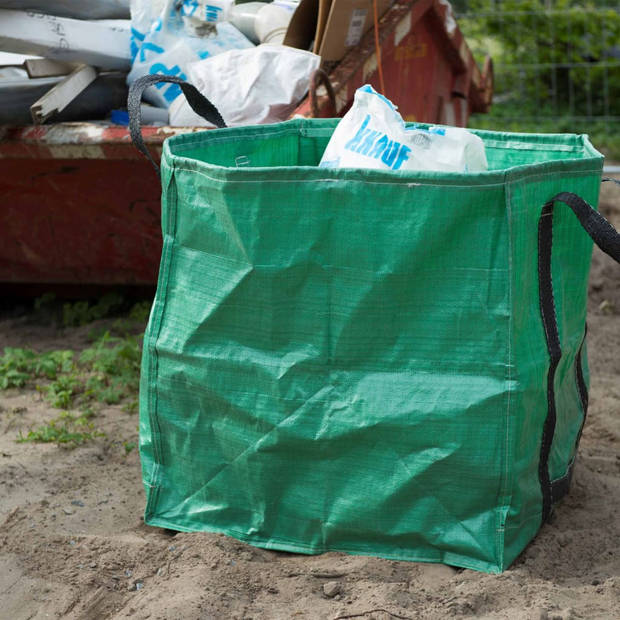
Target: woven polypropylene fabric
(355,360)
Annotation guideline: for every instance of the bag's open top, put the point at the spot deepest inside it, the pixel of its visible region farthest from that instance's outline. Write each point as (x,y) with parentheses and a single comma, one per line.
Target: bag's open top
(299,144)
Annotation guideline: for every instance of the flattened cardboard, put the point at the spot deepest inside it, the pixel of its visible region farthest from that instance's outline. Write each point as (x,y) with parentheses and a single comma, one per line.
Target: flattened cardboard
(302,27)
(324,9)
(346,24)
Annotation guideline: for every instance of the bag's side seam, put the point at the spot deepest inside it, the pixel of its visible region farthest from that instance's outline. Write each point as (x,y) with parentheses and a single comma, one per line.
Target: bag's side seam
(506,487)
(163,285)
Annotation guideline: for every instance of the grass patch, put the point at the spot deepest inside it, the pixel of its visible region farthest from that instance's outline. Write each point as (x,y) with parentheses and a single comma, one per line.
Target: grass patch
(105,373)
(129,446)
(67,429)
(60,393)
(114,364)
(83,312)
(18,366)
(132,316)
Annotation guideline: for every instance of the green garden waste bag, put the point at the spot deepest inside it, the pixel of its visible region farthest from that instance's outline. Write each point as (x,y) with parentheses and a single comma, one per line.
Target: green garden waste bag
(380,363)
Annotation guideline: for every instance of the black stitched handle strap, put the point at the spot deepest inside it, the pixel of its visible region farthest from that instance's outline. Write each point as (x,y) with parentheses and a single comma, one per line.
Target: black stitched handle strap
(200,104)
(602,232)
(608,239)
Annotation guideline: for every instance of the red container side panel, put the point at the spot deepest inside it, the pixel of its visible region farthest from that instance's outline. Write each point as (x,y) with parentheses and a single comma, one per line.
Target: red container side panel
(81,206)
(93,221)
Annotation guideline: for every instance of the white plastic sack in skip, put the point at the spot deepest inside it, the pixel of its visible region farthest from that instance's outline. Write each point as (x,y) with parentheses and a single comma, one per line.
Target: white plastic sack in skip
(249,87)
(372,134)
(196,12)
(165,46)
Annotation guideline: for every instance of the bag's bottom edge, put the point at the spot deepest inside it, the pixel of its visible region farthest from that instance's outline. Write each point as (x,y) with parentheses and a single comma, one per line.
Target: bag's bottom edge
(449,558)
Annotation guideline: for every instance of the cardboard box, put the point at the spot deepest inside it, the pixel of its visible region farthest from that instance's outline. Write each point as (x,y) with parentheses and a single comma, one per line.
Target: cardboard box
(347,22)
(332,27)
(301,30)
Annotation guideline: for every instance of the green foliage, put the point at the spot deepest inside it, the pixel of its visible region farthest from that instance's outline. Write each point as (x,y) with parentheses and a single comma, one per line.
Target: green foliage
(136,319)
(129,446)
(115,364)
(18,365)
(44,302)
(66,429)
(107,372)
(61,392)
(140,312)
(131,406)
(82,312)
(554,65)
(508,118)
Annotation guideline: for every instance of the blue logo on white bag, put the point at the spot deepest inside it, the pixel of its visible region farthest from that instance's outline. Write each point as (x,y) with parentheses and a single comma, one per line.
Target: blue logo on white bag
(212,13)
(377,145)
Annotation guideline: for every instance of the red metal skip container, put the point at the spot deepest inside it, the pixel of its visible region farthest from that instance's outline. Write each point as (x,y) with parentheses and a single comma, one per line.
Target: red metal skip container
(81,206)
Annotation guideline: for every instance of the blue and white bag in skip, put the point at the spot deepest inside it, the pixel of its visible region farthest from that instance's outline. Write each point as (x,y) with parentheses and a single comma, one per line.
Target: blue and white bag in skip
(372,134)
(162,43)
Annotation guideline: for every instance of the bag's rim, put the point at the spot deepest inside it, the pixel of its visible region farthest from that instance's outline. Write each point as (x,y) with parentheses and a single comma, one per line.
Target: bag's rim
(590,161)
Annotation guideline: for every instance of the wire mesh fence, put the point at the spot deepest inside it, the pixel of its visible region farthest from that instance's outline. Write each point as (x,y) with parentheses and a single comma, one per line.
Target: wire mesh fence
(557,63)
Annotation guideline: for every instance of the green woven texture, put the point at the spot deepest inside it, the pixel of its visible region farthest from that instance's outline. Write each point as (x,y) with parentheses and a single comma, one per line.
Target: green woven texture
(355,360)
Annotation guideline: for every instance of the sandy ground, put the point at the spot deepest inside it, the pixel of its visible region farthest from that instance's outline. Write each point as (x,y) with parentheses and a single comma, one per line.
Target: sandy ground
(73,545)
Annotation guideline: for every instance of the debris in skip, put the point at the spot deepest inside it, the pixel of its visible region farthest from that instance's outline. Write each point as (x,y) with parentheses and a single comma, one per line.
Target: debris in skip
(257,62)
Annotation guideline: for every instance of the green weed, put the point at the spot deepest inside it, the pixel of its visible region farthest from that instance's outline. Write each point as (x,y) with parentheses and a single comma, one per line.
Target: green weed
(62,391)
(82,312)
(45,303)
(140,312)
(115,366)
(134,321)
(66,429)
(131,406)
(18,365)
(107,372)
(129,446)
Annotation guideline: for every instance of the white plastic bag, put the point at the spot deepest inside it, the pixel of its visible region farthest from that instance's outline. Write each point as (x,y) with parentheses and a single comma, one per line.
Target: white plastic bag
(205,11)
(249,87)
(163,45)
(372,134)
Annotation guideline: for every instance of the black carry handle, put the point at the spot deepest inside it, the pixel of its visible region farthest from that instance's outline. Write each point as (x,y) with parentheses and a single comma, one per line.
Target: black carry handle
(199,103)
(608,239)
(600,230)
